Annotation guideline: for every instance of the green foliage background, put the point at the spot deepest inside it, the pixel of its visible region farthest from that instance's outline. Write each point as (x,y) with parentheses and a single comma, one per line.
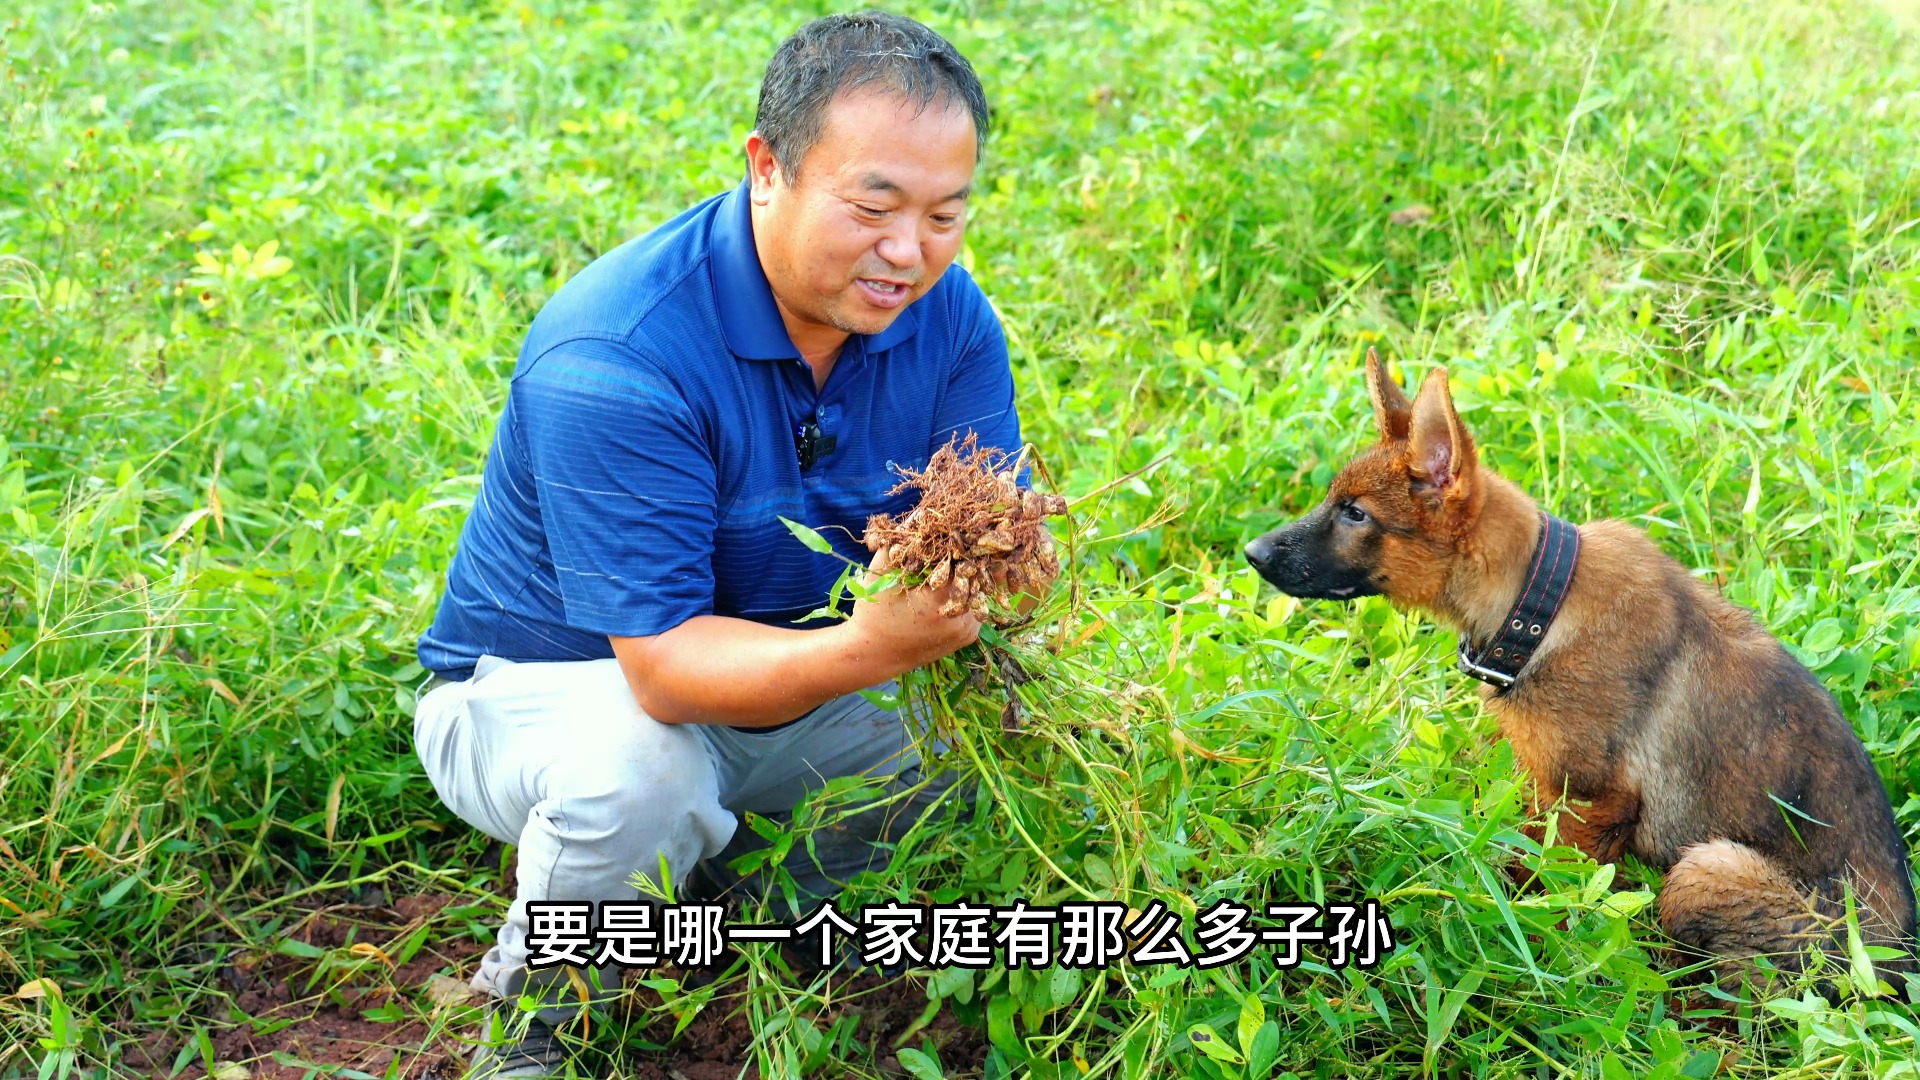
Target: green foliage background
(264,267)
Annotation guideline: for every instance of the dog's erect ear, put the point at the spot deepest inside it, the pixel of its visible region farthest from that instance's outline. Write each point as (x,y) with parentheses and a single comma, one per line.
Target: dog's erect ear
(1390,409)
(1441,448)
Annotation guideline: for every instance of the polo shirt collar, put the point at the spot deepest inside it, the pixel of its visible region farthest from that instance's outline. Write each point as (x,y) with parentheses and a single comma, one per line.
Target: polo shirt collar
(749,319)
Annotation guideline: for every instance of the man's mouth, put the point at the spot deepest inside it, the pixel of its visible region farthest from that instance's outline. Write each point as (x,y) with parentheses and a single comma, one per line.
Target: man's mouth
(883,293)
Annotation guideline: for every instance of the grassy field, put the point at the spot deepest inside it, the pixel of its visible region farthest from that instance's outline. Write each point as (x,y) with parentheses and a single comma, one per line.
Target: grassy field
(264,267)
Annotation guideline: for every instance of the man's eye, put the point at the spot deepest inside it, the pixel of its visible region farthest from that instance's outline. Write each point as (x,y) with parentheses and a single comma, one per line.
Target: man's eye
(1352,514)
(870,211)
(946,220)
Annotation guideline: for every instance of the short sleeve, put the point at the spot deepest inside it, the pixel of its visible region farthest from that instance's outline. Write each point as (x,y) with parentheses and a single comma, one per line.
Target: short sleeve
(625,481)
(979,392)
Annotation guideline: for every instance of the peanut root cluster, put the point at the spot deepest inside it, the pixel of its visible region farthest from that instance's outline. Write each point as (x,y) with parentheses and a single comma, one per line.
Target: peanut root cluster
(974,530)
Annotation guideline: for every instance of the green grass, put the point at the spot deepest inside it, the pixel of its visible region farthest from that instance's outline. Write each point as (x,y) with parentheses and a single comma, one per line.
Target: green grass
(1673,264)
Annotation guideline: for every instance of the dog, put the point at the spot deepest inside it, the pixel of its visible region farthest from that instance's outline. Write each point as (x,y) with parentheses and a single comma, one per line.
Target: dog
(1676,727)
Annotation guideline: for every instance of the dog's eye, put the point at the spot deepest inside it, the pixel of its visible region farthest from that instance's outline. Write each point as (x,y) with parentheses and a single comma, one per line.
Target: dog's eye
(1352,514)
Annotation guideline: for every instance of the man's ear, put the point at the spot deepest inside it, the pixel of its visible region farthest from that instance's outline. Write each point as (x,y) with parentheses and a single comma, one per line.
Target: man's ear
(1442,450)
(1390,409)
(762,168)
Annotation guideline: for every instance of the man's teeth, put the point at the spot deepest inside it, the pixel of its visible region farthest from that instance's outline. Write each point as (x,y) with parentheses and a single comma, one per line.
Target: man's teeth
(883,286)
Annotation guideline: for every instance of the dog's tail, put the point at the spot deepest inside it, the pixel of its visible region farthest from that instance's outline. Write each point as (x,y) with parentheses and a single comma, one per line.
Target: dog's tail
(1727,902)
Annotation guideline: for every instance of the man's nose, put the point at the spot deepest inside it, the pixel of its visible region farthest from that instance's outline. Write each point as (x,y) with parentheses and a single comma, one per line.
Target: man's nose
(900,247)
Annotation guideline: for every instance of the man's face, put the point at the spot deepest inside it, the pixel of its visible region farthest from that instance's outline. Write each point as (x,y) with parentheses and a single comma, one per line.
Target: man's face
(873,219)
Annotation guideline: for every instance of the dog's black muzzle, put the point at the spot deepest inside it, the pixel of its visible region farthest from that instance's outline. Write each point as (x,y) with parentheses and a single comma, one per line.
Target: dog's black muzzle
(1299,560)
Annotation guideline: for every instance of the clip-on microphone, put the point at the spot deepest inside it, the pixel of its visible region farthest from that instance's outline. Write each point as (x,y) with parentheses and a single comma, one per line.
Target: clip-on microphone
(810,444)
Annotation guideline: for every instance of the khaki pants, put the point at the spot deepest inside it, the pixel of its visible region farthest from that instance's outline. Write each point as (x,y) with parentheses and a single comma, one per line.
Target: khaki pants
(559,760)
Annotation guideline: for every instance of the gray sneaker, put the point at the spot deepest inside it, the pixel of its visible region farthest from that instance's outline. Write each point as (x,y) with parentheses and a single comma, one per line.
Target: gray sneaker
(536,1054)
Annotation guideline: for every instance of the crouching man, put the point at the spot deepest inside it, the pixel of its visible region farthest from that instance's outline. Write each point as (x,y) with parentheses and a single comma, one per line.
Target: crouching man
(621,662)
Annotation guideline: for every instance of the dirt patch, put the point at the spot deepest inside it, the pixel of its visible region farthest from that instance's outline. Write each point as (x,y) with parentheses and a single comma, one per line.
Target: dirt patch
(308,1003)
(877,1011)
(377,988)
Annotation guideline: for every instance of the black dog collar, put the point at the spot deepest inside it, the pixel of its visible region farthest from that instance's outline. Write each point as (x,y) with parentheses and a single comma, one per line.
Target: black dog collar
(1499,661)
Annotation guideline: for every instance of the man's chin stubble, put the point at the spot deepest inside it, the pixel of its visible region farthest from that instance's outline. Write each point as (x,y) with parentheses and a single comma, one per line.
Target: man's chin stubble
(847,326)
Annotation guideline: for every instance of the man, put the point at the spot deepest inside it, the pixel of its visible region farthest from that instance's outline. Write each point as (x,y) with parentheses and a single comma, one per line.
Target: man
(622,660)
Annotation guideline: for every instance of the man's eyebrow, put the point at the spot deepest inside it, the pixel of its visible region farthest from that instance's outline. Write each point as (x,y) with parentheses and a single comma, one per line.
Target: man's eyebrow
(876,182)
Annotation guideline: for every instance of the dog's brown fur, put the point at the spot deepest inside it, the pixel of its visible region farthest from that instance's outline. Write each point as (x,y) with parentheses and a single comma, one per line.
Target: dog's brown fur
(1668,717)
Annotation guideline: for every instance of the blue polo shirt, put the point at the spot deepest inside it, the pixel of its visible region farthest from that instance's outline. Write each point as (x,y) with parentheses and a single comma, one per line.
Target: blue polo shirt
(645,453)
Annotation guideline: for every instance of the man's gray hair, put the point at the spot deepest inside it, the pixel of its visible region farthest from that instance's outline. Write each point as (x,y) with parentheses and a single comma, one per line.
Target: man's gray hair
(843,53)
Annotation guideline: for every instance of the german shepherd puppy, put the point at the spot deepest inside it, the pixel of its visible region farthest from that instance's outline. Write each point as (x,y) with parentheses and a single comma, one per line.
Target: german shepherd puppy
(1676,727)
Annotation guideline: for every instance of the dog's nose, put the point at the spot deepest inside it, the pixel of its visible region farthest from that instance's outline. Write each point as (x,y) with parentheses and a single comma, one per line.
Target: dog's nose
(1258,552)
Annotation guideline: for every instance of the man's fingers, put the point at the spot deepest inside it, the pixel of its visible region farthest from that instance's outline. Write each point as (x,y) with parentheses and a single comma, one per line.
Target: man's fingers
(877,568)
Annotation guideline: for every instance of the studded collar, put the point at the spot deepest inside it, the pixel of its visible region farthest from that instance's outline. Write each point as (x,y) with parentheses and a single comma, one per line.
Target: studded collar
(1500,660)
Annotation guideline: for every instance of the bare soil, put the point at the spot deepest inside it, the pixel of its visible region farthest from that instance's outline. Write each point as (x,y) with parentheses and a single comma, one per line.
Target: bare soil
(287,1011)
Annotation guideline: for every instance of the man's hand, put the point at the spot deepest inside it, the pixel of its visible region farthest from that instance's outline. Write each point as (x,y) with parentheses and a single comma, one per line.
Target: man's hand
(717,670)
(903,628)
